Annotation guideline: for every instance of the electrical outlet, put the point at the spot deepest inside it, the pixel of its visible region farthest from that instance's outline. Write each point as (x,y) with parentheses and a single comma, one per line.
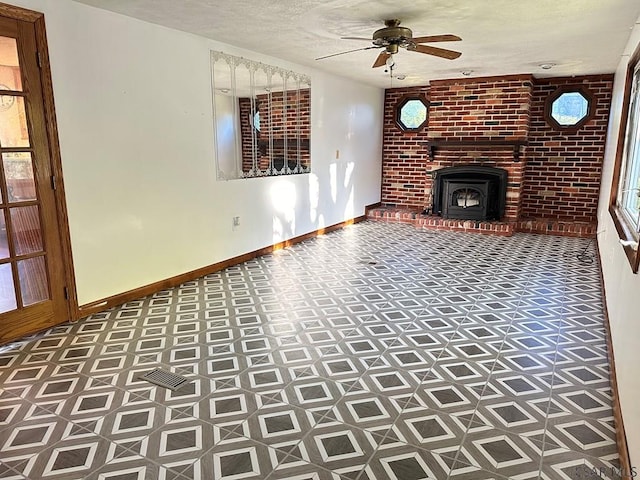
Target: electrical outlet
(236,222)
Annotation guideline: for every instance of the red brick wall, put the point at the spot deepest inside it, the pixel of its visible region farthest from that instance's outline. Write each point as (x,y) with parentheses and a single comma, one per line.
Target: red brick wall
(557,176)
(481,108)
(562,175)
(404,156)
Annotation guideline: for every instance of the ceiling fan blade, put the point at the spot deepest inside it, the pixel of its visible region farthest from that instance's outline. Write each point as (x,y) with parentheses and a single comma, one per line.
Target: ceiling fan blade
(348,51)
(381,60)
(438,52)
(436,38)
(355,38)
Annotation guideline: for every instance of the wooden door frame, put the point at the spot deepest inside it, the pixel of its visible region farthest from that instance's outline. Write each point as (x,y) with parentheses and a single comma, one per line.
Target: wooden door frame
(37,19)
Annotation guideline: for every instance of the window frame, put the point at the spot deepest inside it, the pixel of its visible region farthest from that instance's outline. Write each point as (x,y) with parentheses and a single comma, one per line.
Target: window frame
(402,102)
(548,107)
(627,232)
(285,119)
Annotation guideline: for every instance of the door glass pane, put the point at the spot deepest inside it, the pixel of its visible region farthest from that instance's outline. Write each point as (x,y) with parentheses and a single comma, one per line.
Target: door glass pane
(33,280)
(4,243)
(7,290)
(10,78)
(18,171)
(13,122)
(27,236)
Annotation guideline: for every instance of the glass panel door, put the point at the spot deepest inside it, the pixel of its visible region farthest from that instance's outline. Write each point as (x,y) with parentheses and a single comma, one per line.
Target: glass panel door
(21,236)
(31,277)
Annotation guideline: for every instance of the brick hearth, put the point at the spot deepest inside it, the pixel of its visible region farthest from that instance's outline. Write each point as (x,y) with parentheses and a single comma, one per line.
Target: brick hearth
(434,222)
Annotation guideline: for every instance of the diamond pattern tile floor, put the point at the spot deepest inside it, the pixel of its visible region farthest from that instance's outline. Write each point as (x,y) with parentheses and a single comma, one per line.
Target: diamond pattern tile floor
(375,352)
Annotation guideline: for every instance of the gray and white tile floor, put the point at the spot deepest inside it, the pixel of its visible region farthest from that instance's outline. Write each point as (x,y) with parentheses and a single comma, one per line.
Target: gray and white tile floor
(375,352)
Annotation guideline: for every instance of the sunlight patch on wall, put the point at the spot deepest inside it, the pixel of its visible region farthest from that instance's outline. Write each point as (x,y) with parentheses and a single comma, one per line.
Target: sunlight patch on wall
(283,198)
(333,181)
(314,197)
(348,173)
(349,209)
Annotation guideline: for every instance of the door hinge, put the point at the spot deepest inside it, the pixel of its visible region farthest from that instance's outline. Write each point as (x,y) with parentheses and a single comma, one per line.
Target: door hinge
(66,293)
(39,59)
(54,186)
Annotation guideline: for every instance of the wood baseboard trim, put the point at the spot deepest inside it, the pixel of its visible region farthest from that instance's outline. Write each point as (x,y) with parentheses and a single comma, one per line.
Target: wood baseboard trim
(371,207)
(137,293)
(621,437)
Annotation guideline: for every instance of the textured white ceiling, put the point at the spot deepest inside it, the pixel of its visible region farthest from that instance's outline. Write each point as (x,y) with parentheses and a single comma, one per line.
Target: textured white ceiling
(498,36)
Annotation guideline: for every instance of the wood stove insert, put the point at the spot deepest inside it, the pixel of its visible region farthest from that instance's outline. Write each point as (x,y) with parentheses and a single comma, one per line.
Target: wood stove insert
(470,192)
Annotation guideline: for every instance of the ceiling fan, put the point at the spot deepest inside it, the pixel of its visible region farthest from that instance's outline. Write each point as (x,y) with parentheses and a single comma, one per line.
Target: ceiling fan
(393,36)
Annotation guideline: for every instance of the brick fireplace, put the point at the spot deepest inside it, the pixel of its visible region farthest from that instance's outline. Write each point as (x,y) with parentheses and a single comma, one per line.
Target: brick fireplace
(553,175)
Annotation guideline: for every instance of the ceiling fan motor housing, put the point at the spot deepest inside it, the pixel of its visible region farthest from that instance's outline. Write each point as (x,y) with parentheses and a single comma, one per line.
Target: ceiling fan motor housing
(392,36)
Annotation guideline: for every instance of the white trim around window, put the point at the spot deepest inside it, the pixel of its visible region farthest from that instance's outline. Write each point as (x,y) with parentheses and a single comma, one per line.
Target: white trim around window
(625,190)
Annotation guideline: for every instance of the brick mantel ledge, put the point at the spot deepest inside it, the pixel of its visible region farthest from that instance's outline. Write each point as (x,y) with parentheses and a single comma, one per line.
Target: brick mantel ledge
(485,143)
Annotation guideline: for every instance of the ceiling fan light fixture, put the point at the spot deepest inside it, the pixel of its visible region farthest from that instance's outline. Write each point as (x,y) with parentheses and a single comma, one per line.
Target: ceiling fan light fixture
(390,62)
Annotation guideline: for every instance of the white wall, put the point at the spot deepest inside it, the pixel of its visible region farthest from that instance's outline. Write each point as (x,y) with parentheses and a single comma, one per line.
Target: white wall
(134,113)
(622,286)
